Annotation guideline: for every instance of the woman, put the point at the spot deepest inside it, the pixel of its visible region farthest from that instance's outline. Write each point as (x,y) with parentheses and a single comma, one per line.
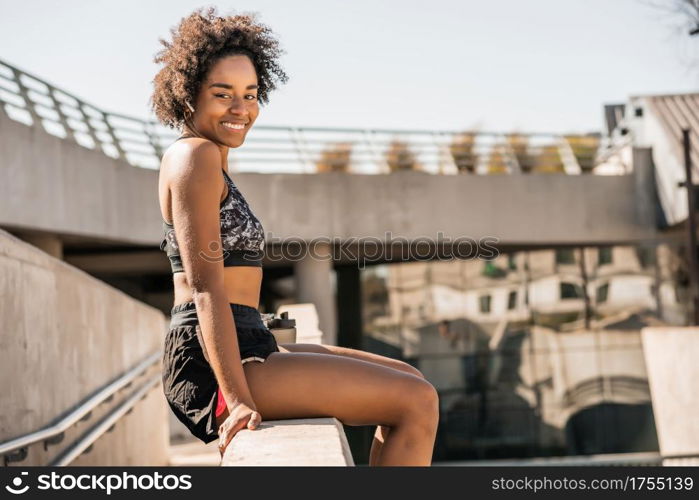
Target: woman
(222,368)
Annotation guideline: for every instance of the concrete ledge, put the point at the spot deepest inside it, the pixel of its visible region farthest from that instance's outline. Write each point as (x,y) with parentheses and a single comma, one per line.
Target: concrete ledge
(293,442)
(671,354)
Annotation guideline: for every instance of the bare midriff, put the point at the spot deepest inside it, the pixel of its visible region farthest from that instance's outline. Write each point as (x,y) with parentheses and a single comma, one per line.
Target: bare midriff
(242,285)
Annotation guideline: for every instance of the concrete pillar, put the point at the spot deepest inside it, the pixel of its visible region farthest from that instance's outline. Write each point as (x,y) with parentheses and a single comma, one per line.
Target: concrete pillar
(49,243)
(349,334)
(349,307)
(314,284)
(671,354)
(648,209)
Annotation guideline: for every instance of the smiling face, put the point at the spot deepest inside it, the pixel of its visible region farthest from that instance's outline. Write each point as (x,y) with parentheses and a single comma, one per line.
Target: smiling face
(227,106)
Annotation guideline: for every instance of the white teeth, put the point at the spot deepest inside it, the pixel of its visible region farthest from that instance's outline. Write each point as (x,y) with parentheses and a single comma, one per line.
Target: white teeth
(235,126)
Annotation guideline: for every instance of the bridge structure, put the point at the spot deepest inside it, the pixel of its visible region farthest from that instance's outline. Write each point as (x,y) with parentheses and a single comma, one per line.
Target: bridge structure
(81,185)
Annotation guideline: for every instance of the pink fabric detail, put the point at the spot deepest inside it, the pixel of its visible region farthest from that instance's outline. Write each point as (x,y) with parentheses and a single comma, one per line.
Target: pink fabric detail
(221,403)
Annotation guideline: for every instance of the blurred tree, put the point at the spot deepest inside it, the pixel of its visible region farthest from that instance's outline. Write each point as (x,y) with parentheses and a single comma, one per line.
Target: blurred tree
(497,161)
(399,157)
(585,149)
(548,160)
(688,10)
(519,145)
(492,270)
(335,158)
(462,149)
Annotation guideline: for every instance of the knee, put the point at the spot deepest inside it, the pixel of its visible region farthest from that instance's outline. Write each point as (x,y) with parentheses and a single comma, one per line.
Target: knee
(430,398)
(424,404)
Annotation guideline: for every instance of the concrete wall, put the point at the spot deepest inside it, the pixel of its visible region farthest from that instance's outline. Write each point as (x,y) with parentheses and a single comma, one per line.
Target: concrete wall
(671,355)
(61,187)
(65,335)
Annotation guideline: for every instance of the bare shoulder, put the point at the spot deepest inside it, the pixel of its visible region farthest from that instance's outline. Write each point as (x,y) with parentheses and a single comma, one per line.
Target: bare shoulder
(192,159)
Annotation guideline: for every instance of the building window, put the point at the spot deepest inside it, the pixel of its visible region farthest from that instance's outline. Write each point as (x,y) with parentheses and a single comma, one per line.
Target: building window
(602,293)
(512,300)
(484,303)
(565,256)
(604,256)
(646,256)
(570,291)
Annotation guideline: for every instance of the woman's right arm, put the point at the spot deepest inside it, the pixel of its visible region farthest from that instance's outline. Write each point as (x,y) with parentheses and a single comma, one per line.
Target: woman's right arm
(196,186)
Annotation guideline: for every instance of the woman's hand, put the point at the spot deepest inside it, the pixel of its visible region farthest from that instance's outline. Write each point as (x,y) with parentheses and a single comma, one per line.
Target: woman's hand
(239,417)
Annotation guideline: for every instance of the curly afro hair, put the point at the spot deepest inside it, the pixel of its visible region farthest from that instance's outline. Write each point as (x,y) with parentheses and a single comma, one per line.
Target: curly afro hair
(197,44)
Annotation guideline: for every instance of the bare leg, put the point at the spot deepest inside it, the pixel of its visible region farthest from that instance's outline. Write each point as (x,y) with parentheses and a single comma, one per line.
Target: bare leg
(306,384)
(381,430)
(377,443)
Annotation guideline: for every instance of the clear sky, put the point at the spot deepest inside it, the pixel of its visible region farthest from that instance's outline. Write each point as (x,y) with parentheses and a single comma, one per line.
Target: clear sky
(530,65)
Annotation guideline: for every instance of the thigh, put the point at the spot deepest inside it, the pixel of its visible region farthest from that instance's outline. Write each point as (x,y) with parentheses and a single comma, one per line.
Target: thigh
(353,353)
(308,384)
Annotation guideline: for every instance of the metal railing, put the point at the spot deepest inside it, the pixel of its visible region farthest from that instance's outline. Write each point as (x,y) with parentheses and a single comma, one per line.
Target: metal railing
(35,102)
(16,449)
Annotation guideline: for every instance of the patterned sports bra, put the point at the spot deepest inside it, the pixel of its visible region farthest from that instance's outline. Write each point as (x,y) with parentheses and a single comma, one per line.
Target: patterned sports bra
(242,235)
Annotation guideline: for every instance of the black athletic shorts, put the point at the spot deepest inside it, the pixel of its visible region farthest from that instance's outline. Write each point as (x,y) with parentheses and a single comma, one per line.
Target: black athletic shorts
(189,383)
